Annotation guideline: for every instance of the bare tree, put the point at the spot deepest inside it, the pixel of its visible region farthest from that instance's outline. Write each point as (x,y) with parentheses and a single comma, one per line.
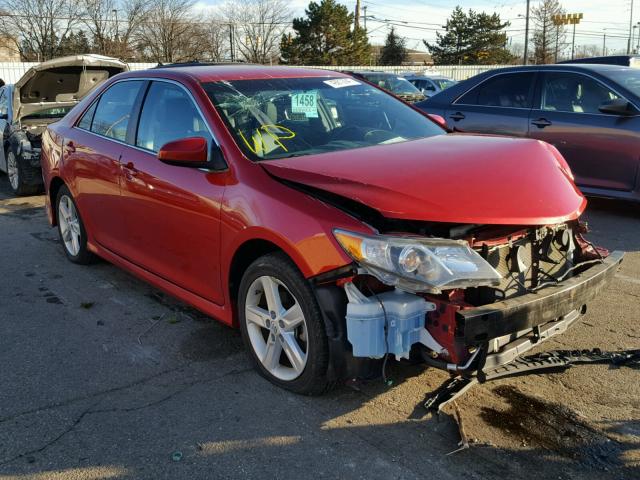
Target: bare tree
(38,26)
(216,38)
(548,38)
(169,32)
(258,27)
(113,23)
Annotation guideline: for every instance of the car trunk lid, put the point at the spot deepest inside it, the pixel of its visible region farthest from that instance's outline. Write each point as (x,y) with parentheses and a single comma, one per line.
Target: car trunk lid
(62,82)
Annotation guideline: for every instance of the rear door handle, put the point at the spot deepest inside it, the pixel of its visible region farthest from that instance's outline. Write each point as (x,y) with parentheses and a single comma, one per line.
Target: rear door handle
(457,116)
(541,123)
(130,170)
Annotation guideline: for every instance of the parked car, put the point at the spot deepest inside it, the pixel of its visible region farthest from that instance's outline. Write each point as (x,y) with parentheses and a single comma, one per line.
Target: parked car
(588,112)
(430,85)
(329,221)
(621,60)
(392,83)
(43,95)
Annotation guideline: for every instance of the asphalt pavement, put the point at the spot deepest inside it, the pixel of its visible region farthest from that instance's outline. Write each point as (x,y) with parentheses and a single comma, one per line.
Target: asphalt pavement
(103,376)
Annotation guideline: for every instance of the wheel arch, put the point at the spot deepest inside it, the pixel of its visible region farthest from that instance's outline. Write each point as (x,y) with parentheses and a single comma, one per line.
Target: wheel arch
(54,187)
(247,253)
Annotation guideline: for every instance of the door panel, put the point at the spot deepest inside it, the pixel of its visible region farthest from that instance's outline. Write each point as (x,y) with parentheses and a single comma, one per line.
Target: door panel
(92,158)
(94,164)
(603,151)
(173,222)
(498,105)
(172,212)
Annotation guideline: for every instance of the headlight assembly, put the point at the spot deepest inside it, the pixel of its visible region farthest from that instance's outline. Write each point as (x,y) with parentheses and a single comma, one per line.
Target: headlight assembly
(418,264)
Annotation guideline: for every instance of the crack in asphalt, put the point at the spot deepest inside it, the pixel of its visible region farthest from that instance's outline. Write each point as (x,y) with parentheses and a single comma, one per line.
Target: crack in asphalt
(73,400)
(90,410)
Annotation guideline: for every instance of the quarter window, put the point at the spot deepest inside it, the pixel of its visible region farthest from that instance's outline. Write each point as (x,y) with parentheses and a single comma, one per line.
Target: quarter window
(87,118)
(168,114)
(112,114)
(506,90)
(575,93)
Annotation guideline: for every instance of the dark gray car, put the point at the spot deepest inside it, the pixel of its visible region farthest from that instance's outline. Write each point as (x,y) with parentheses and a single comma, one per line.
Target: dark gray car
(590,113)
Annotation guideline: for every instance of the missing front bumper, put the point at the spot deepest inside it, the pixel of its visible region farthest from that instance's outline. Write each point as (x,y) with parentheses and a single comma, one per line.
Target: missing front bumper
(480,325)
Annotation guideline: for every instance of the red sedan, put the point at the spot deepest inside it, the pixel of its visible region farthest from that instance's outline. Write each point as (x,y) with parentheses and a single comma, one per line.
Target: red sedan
(334,224)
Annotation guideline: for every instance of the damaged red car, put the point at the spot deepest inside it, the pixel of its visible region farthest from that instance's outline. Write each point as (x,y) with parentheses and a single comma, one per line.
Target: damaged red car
(332,223)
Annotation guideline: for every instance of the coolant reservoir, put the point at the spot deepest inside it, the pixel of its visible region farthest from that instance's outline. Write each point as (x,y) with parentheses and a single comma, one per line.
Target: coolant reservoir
(403,315)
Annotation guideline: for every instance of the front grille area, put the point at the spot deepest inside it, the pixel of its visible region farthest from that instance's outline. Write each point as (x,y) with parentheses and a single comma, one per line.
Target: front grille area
(542,256)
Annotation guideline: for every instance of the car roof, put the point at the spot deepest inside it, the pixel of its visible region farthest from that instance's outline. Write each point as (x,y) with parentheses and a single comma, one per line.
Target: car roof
(594,67)
(238,71)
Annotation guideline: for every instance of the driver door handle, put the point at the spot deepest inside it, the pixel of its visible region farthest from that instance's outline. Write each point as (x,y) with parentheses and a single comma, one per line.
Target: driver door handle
(541,123)
(457,116)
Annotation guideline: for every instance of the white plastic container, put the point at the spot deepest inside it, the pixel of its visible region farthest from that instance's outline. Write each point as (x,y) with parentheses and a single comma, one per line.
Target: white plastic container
(403,315)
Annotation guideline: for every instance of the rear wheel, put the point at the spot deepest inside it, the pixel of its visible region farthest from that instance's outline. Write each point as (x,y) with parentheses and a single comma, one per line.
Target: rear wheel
(73,236)
(282,326)
(16,174)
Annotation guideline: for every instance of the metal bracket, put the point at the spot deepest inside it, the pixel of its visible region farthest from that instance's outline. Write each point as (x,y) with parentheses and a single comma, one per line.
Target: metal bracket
(552,360)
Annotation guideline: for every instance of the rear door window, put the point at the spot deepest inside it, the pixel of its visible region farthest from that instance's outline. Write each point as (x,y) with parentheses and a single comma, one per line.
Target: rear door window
(111,118)
(168,114)
(512,90)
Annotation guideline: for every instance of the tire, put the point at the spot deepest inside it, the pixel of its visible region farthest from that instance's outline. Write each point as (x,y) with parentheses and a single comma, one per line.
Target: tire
(73,235)
(17,176)
(268,334)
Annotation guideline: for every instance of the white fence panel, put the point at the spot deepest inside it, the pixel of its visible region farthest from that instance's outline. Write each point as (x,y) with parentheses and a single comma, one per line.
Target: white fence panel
(457,72)
(10,72)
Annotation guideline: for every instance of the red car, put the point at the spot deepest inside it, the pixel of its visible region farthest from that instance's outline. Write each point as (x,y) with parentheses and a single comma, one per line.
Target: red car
(332,223)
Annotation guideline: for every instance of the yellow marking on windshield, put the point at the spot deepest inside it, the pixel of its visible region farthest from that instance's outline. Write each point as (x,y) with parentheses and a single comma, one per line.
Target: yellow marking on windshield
(259,146)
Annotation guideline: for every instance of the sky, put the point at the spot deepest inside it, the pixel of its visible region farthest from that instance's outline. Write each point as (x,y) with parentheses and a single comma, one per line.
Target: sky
(418,20)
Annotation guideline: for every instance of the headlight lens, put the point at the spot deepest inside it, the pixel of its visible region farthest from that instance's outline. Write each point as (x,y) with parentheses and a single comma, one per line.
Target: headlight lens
(418,264)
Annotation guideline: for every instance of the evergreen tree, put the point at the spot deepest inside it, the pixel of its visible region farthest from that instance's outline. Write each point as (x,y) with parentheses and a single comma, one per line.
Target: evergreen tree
(394,51)
(471,39)
(326,37)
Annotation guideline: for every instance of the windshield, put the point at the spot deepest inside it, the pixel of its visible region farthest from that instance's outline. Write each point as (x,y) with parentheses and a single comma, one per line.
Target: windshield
(288,117)
(56,112)
(397,85)
(443,83)
(627,78)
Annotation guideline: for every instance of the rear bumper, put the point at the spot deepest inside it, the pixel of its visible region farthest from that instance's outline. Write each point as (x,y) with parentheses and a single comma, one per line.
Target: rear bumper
(518,315)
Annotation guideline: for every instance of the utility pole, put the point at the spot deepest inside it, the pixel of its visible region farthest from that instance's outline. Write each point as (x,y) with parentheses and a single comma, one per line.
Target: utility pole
(630,29)
(526,35)
(231,42)
(365,17)
(604,43)
(357,15)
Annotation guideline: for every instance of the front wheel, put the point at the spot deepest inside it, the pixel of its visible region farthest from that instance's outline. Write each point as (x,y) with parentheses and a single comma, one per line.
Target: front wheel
(282,326)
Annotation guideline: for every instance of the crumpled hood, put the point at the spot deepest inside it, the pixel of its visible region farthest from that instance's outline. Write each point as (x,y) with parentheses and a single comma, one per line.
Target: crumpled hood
(62,82)
(447,178)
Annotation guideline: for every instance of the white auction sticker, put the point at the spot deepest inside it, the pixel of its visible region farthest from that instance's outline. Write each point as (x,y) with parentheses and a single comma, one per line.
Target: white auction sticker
(305,102)
(342,82)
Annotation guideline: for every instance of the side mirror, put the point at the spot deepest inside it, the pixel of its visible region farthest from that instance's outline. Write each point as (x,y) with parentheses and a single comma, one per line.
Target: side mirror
(192,152)
(619,106)
(438,119)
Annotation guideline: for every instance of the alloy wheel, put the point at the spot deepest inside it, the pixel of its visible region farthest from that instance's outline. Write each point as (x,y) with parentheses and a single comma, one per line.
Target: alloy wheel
(69,225)
(277,328)
(12,171)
